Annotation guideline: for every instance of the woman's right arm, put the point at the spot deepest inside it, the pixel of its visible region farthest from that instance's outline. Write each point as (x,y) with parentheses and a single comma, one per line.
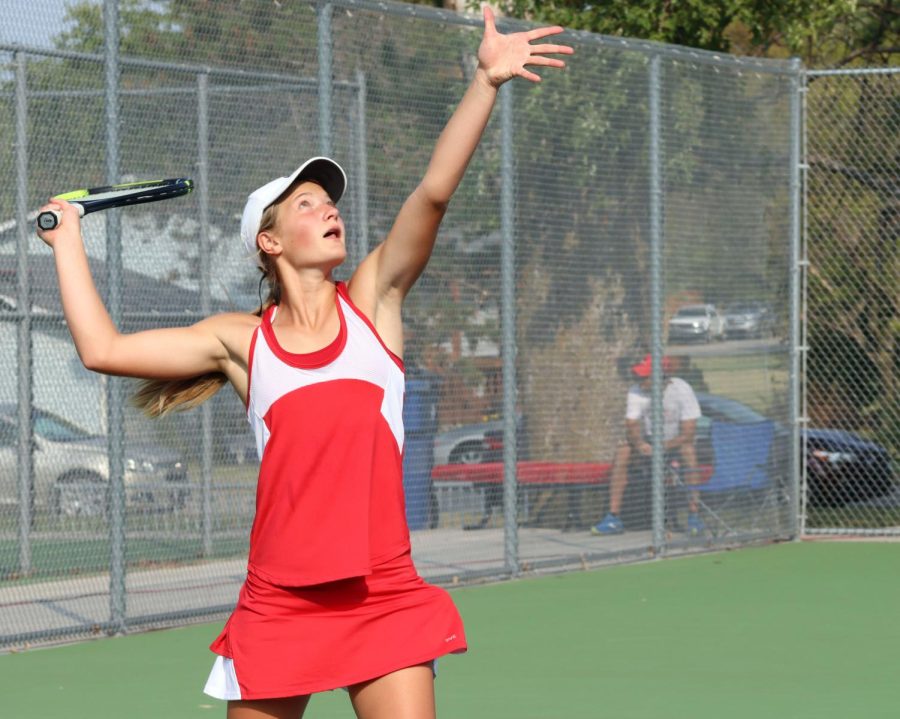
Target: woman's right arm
(212,345)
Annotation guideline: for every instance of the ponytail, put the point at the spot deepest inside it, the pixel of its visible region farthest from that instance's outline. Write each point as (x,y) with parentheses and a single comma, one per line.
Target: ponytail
(157,397)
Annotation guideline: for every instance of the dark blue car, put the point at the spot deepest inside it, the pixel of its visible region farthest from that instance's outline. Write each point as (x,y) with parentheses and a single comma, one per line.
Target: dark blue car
(841,466)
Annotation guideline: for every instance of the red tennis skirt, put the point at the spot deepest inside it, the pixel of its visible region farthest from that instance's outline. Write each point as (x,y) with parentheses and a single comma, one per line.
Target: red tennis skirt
(288,641)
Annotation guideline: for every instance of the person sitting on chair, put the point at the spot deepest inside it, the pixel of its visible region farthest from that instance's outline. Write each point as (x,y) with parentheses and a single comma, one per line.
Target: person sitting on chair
(680,413)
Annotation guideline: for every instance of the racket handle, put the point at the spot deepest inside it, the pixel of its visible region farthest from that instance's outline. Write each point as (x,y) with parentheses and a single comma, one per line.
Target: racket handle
(50,219)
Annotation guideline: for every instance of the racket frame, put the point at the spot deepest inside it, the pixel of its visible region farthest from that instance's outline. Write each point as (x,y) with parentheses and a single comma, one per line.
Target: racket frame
(138,193)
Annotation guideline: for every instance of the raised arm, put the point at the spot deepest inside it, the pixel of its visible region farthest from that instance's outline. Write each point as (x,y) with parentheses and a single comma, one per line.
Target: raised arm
(394,266)
(174,353)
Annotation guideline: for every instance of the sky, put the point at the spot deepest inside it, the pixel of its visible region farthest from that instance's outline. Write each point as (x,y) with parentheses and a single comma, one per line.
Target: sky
(31,22)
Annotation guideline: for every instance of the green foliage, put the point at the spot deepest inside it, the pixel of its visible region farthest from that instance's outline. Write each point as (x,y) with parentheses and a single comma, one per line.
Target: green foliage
(854,306)
(819,31)
(724,151)
(144,27)
(159,130)
(273,36)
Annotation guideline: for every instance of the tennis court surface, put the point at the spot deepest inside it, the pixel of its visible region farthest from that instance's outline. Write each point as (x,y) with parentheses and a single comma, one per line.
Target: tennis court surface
(785,631)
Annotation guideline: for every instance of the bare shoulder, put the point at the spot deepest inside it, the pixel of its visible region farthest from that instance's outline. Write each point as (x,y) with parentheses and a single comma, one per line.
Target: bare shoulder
(234,330)
(231,320)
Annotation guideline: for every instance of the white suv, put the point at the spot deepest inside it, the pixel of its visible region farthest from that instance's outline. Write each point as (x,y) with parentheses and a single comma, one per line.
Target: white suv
(697,322)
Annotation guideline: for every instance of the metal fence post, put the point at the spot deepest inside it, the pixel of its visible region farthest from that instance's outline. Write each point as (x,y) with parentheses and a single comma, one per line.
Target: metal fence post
(796,269)
(508,337)
(656,314)
(115,385)
(324,11)
(205,300)
(24,360)
(845,240)
(361,181)
(804,304)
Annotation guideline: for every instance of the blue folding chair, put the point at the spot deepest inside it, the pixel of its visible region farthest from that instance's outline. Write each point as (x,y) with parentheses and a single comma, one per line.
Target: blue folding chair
(743,471)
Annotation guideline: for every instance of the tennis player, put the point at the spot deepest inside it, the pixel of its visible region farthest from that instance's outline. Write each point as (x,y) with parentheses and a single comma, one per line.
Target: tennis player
(332,598)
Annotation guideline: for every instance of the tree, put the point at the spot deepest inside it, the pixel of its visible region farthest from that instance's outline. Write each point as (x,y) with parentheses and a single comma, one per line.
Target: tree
(821,32)
(853,302)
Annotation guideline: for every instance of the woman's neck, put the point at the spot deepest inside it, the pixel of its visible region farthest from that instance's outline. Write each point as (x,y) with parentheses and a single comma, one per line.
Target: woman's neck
(307,300)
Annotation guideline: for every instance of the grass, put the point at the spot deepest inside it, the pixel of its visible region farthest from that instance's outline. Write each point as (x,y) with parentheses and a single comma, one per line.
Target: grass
(758,381)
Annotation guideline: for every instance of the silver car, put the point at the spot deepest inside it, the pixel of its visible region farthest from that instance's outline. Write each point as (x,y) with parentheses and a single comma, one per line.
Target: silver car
(697,322)
(468,444)
(477,443)
(748,319)
(71,469)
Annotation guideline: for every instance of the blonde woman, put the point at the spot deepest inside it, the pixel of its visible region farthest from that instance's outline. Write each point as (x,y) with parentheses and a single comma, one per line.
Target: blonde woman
(332,598)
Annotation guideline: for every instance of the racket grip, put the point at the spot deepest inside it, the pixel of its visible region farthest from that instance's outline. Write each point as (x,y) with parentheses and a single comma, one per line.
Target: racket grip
(49,220)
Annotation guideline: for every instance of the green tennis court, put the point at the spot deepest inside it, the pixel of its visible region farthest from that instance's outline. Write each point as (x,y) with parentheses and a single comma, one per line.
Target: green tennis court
(795,630)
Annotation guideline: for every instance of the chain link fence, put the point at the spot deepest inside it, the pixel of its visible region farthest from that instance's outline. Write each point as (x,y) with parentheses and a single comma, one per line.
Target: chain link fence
(852,302)
(645,201)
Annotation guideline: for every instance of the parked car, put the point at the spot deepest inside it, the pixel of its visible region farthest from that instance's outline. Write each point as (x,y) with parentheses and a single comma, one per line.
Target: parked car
(841,466)
(475,443)
(748,319)
(71,468)
(696,322)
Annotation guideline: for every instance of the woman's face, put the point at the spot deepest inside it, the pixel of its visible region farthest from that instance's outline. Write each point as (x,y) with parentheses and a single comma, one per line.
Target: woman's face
(309,229)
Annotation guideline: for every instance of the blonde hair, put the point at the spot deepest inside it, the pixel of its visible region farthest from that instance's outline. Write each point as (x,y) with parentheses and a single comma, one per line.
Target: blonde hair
(157,397)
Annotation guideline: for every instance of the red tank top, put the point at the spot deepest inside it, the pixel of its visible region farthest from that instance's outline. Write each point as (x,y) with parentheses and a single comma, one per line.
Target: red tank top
(329,432)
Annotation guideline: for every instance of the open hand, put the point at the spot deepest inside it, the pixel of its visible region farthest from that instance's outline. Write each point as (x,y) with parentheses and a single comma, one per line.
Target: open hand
(503,57)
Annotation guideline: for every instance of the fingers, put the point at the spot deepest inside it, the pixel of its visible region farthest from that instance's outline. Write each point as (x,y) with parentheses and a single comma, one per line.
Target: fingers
(545,61)
(540,32)
(54,204)
(490,24)
(505,56)
(552,49)
(528,75)
(536,58)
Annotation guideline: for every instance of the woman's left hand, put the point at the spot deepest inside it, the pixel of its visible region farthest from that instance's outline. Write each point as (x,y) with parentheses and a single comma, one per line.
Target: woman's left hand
(503,57)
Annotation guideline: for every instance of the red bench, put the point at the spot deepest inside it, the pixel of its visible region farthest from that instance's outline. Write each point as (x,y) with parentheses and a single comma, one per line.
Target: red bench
(550,474)
(573,476)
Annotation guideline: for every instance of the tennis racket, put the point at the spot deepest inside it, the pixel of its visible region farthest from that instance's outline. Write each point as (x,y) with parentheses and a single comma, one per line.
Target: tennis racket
(129,193)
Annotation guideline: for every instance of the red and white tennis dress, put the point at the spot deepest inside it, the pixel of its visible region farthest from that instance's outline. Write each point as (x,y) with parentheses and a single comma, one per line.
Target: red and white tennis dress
(331,597)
